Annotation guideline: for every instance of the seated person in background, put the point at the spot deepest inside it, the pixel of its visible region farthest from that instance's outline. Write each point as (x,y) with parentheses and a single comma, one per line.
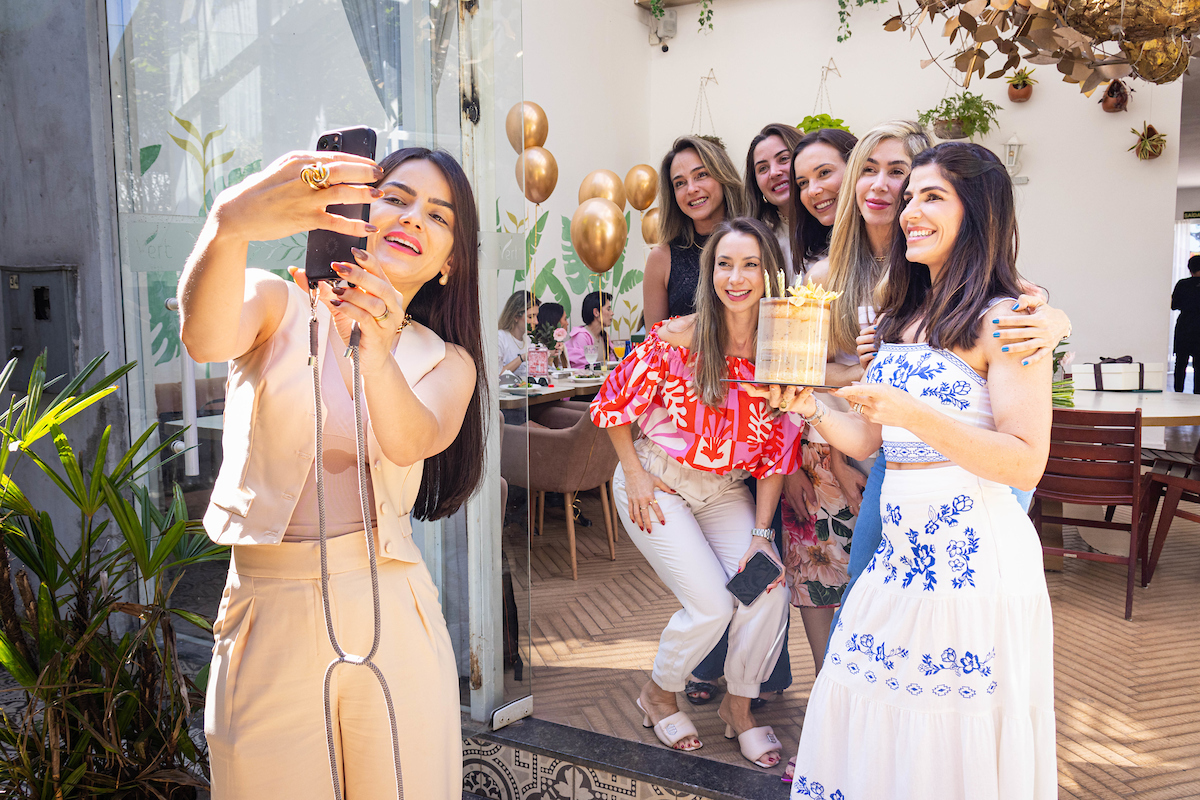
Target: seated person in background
(554,315)
(597,316)
(520,311)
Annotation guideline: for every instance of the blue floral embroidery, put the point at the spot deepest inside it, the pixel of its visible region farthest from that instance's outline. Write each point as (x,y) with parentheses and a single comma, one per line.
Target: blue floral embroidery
(879,653)
(852,668)
(967,692)
(948,513)
(893,684)
(960,553)
(870,676)
(892,514)
(992,687)
(883,555)
(941,690)
(921,563)
(955,394)
(906,370)
(968,663)
(801,785)
(914,689)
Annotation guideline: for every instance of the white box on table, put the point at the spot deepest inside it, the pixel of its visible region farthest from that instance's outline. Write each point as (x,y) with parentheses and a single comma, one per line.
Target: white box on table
(1119,377)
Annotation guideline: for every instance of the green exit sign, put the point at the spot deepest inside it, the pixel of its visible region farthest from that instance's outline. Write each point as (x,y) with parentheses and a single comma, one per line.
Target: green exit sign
(1191,215)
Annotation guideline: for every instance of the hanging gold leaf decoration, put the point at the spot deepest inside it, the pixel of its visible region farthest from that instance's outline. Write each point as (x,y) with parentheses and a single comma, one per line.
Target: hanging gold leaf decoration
(1090,41)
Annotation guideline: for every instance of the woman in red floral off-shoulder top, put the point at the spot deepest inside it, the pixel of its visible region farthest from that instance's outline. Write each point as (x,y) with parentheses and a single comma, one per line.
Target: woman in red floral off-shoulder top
(680,488)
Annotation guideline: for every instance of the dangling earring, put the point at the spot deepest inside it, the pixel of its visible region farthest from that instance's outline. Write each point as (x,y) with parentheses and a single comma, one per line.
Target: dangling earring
(444,279)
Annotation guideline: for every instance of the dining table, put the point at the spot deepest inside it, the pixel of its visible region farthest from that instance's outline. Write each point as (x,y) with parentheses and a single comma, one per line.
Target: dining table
(1160,410)
(561,388)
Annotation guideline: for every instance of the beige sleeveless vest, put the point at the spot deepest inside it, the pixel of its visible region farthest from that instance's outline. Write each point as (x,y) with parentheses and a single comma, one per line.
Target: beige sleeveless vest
(269,438)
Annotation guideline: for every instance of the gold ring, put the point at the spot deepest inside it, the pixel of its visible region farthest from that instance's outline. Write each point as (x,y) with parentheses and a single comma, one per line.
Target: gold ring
(858,408)
(382,316)
(783,406)
(316,176)
(653,502)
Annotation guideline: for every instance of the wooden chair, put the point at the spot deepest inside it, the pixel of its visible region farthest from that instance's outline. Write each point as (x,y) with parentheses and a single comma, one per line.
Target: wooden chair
(570,459)
(1178,481)
(1095,459)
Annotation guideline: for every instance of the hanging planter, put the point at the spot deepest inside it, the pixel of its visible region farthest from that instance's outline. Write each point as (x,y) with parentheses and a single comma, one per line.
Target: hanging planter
(1150,143)
(1020,85)
(961,116)
(1116,97)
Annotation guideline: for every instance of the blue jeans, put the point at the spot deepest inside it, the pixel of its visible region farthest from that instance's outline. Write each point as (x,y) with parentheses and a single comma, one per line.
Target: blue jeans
(713,665)
(868,529)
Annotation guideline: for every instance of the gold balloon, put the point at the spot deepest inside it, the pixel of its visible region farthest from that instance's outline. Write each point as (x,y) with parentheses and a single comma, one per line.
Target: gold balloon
(641,186)
(537,174)
(650,231)
(1158,60)
(598,232)
(603,183)
(1136,20)
(526,126)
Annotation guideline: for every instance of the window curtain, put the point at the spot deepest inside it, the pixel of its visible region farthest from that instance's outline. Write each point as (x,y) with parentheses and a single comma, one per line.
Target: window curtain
(442,16)
(376,29)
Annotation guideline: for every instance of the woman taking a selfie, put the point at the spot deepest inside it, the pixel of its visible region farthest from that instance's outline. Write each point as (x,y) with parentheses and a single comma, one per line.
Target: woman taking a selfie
(680,488)
(939,677)
(415,299)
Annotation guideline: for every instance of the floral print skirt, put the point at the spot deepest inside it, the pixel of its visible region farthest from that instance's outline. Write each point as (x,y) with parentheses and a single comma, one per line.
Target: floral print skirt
(939,678)
(817,546)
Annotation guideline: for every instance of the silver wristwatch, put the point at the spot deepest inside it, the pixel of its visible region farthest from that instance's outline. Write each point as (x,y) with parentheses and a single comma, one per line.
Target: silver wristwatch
(763,533)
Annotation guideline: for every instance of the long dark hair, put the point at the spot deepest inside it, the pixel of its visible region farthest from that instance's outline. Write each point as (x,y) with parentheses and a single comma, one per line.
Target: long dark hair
(809,238)
(452,312)
(981,267)
(758,206)
(592,303)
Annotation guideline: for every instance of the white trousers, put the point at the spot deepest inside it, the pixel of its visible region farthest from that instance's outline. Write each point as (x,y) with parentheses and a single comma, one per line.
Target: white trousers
(695,554)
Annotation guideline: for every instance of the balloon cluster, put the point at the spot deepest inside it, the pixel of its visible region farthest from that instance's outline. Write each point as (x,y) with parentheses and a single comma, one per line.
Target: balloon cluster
(598,227)
(537,171)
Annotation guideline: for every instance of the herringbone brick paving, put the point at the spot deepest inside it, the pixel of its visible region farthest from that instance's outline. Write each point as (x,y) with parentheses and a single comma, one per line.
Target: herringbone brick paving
(1127,693)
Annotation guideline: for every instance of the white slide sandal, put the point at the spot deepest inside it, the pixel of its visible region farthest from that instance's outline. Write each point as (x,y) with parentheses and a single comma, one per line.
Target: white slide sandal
(673,729)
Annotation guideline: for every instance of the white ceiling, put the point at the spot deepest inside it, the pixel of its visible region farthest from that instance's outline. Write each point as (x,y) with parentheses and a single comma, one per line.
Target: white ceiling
(1189,131)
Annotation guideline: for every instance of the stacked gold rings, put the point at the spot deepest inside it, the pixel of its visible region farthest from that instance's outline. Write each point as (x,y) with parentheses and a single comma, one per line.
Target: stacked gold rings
(316,176)
(858,408)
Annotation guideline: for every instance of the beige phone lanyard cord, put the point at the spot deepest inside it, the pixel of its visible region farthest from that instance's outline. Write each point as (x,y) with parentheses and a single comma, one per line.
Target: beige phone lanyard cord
(314,360)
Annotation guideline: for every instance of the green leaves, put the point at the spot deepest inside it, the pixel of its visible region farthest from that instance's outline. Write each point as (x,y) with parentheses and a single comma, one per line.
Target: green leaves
(197,147)
(147,156)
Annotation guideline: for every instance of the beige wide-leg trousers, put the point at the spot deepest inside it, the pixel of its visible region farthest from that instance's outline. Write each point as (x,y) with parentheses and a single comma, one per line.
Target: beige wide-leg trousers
(695,554)
(264,716)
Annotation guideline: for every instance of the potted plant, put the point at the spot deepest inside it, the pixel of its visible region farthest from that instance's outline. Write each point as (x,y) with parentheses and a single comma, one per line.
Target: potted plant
(961,116)
(1150,143)
(1020,85)
(547,342)
(821,121)
(1116,97)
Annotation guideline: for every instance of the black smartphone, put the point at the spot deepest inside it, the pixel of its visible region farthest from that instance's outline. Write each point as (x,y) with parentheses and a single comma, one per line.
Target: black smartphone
(326,247)
(748,584)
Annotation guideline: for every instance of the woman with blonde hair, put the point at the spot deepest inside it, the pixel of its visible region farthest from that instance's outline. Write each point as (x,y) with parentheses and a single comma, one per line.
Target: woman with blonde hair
(698,189)
(681,492)
(519,312)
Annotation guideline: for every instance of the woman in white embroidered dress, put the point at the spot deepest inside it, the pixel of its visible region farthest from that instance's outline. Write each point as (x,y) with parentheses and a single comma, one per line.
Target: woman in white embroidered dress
(938,681)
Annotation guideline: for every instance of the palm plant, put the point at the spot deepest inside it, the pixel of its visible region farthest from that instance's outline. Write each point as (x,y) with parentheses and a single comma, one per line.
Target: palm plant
(104,714)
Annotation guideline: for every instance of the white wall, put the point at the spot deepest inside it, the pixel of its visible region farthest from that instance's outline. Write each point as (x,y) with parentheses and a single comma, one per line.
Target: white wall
(1096,223)
(1187,198)
(586,65)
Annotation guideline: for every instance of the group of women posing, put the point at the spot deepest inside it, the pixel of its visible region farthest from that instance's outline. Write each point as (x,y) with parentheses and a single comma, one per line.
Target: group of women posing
(936,680)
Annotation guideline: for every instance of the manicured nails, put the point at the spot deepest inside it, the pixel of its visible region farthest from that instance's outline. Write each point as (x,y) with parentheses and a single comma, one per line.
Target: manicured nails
(1024,363)
(358,253)
(1004,349)
(376,192)
(1016,306)
(371,228)
(996,322)
(996,335)
(338,290)
(340,268)
(335,302)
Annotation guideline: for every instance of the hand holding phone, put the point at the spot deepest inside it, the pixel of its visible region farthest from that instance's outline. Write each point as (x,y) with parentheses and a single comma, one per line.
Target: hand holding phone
(760,572)
(326,247)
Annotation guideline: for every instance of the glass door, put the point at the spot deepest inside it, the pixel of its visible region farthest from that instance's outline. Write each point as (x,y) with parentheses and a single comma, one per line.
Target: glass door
(207,92)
